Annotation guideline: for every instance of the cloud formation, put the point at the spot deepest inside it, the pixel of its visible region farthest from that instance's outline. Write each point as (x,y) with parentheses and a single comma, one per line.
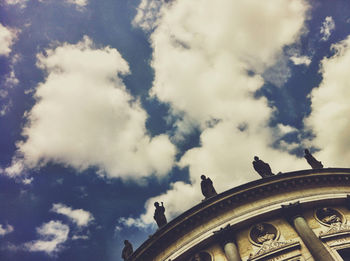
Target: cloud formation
(7,38)
(84,117)
(330,108)
(80,3)
(80,217)
(301,60)
(5,229)
(327,27)
(209,60)
(20,3)
(52,235)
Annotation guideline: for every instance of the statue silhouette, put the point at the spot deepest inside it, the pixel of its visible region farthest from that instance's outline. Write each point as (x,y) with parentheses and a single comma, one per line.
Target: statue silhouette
(207,187)
(159,216)
(262,168)
(315,164)
(127,250)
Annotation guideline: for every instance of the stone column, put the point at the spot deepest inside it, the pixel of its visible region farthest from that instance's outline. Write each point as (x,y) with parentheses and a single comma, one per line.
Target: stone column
(226,235)
(312,242)
(231,251)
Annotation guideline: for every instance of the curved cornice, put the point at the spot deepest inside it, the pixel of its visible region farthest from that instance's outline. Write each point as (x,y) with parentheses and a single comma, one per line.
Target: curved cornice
(276,184)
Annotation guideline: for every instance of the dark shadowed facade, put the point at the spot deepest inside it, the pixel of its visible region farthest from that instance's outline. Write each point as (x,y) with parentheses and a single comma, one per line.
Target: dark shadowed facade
(301,215)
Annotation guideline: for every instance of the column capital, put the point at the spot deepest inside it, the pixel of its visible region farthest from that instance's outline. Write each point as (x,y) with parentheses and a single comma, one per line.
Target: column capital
(226,234)
(292,211)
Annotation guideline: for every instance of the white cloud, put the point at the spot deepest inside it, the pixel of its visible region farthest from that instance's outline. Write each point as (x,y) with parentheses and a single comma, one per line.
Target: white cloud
(7,38)
(327,27)
(147,14)
(15,168)
(85,117)
(330,108)
(20,3)
(82,237)
(11,79)
(301,60)
(202,54)
(79,216)
(130,222)
(219,47)
(285,129)
(5,229)
(279,73)
(79,4)
(27,181)
(52,235)
(5,108)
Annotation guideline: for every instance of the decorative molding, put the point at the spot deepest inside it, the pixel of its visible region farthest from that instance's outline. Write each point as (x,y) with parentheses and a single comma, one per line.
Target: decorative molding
(336,229)
(263,232)
(273,247)
(328,216)
(234,220)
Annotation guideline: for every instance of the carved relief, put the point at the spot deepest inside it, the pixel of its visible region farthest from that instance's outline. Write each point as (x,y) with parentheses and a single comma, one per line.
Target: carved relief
(275,248)
(329,216)
(335,220)
(266,236)
(263,232)
(336,229)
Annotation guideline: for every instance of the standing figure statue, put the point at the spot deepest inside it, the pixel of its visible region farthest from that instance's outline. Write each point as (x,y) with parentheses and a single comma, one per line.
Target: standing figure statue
(262,168)
(207,187)
(315,164)
(127,250)
(159,216)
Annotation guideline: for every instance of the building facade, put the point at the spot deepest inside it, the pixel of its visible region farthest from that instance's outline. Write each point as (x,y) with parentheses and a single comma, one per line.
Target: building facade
(300,215)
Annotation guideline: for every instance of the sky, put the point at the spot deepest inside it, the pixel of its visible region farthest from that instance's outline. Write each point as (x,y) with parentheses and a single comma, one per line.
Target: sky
(109,106)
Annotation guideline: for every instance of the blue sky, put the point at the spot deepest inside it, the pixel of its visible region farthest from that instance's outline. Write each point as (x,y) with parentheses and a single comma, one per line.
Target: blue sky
(109,106)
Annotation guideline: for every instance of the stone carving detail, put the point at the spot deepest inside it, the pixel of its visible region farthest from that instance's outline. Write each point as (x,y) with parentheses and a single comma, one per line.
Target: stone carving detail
(335,220)
(329,216)
(272,247)
(266,236)
(335,229)
(263,232)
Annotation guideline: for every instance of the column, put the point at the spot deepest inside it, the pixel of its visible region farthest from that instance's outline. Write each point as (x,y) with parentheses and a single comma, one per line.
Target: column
(226,235)
(231,251)
(312,242)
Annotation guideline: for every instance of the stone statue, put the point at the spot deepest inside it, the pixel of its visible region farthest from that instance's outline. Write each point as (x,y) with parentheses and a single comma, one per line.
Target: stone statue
(127,250)
(159,216)
(315,164)
(262,168)
(207,187)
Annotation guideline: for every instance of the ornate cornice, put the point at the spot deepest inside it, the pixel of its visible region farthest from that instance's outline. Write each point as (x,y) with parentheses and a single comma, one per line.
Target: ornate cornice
(228,200)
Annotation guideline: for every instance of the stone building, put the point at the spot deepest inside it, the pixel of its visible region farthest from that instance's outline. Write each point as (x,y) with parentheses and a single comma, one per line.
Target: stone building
(301,215)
